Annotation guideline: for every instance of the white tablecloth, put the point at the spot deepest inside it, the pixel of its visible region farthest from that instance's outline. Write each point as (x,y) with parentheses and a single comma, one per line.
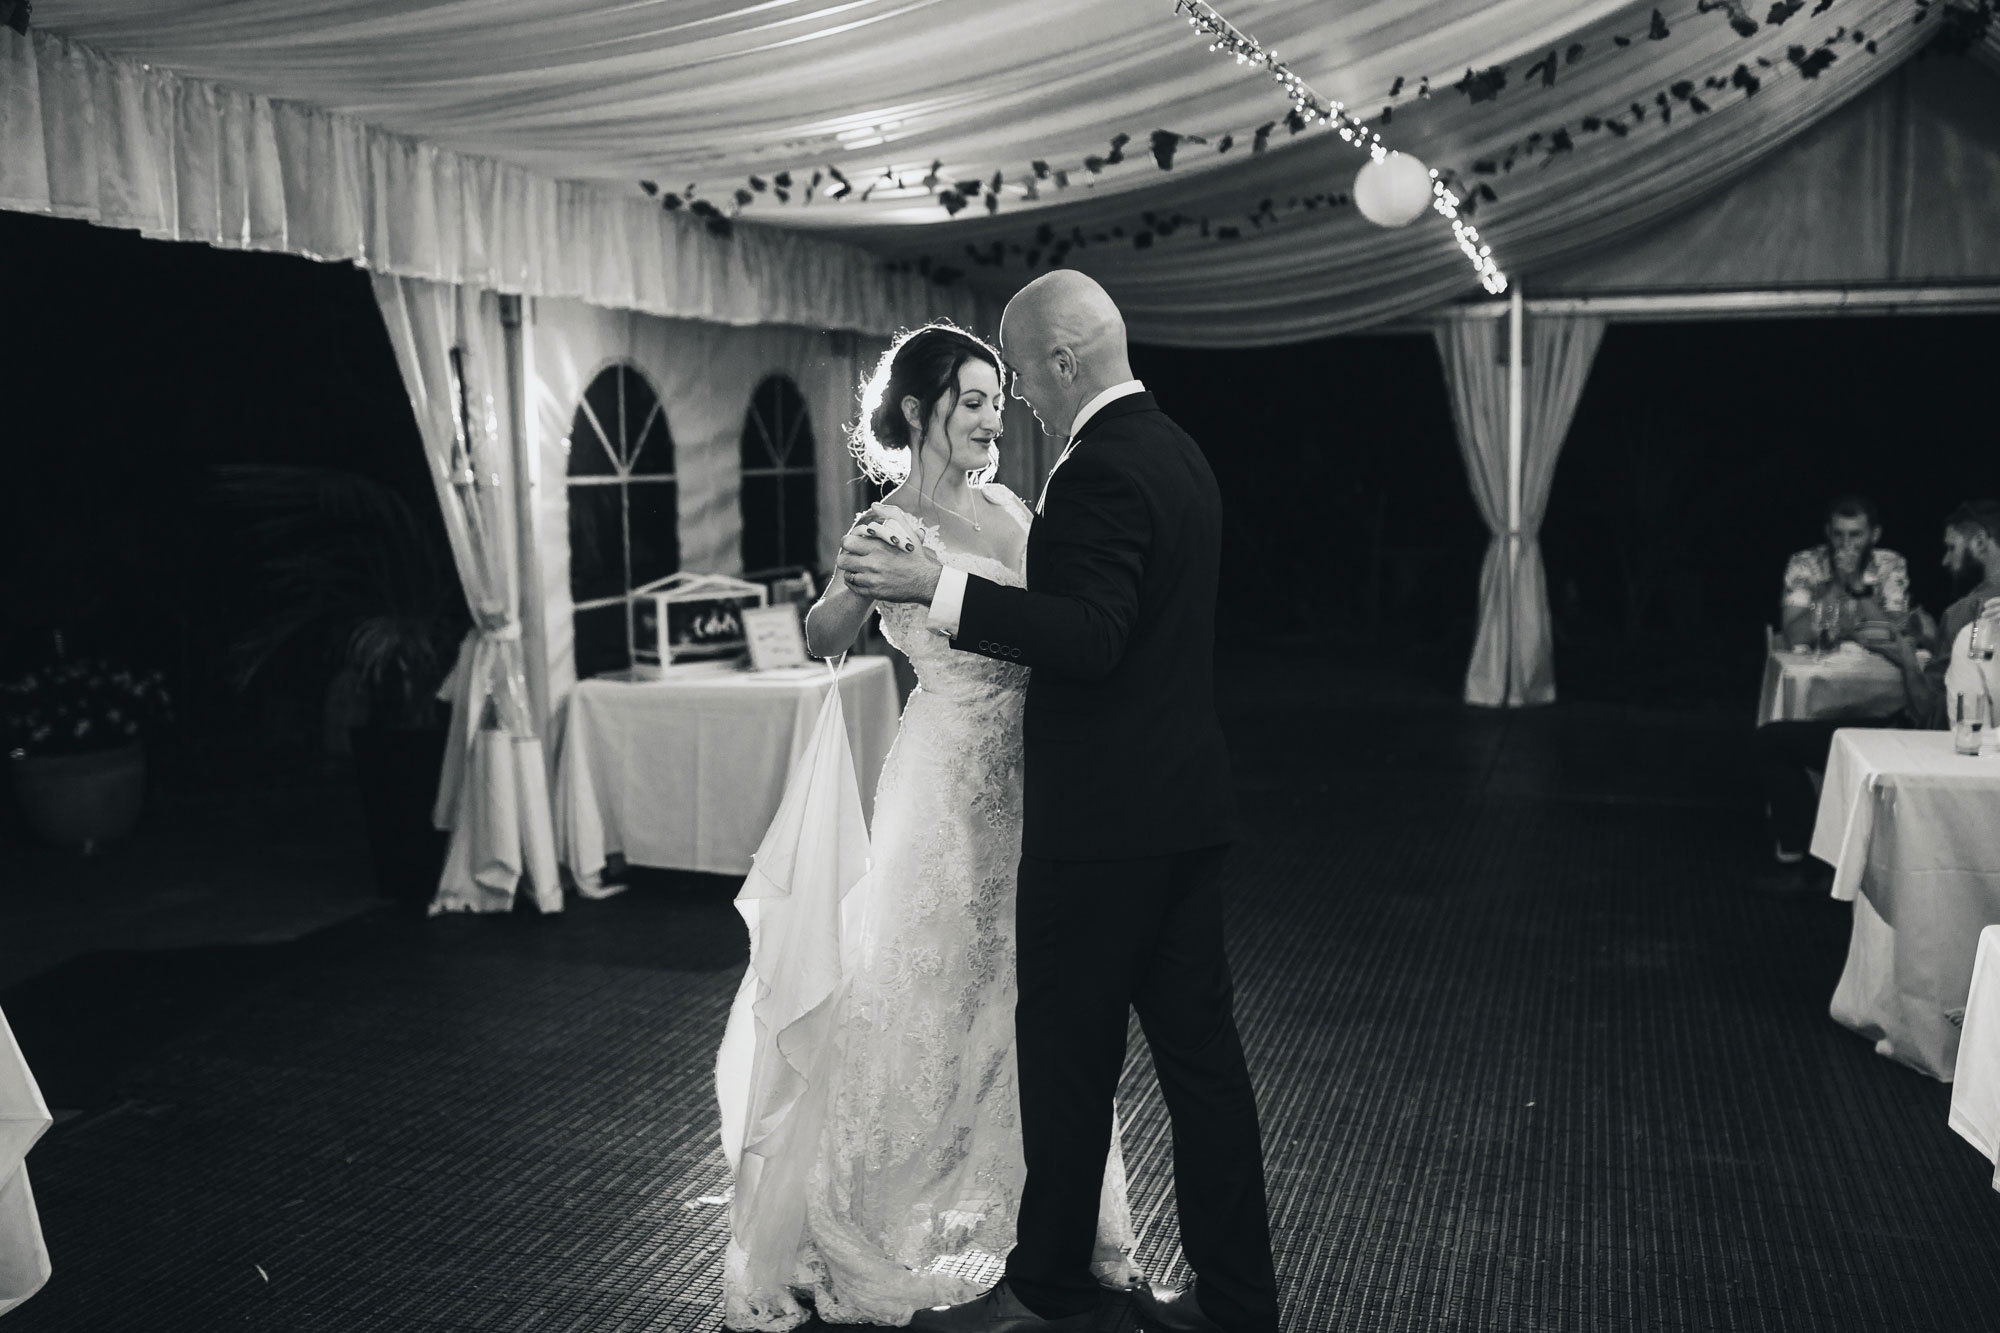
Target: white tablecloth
(1912,831)
(1849,683)
(24,1259)
(685,773)
(1975,1094)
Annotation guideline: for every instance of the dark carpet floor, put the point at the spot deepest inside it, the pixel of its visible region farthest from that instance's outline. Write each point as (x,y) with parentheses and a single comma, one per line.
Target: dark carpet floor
(1530,1057)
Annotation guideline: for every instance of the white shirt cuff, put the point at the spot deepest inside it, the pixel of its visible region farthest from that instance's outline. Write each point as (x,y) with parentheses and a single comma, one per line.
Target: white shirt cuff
(948,603)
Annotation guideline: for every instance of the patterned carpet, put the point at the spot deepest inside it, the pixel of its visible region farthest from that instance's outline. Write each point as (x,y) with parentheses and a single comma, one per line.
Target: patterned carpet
(1530,1057)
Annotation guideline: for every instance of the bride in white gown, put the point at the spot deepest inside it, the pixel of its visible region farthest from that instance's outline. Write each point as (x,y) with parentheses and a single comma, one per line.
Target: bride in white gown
(912,1192)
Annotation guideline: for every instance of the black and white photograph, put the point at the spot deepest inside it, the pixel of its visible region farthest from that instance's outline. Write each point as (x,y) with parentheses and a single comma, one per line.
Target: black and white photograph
(1000,666)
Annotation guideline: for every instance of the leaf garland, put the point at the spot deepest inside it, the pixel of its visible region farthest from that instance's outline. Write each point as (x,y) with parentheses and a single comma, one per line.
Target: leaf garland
(1963,25)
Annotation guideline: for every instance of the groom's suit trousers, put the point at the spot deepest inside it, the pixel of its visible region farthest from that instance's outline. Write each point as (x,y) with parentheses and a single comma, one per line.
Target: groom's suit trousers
(1097,940)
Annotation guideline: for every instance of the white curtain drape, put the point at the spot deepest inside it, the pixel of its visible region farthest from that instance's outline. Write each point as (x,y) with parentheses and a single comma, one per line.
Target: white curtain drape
(494,792)
(24,1116)
(1513,661)
(85,134)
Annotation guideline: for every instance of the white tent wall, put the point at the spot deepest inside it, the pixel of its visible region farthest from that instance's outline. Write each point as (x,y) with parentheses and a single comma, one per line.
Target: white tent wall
(704,376)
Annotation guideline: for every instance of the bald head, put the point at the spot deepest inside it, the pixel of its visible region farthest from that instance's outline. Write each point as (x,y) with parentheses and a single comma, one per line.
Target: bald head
(1065,340)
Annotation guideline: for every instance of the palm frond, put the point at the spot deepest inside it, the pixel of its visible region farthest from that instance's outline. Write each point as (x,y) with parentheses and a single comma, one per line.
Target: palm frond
(353,571)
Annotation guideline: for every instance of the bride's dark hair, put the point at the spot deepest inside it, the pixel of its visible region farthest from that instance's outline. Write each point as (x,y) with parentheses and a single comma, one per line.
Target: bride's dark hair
(922,364)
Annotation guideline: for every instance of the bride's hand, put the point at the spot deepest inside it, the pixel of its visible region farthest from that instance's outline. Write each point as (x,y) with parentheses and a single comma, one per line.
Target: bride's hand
(884,524)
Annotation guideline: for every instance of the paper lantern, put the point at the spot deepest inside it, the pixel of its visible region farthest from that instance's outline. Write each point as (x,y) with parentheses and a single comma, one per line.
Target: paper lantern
(1393,192)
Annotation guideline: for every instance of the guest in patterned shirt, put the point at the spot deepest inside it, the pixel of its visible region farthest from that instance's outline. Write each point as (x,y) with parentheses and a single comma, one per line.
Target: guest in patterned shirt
(1850,576)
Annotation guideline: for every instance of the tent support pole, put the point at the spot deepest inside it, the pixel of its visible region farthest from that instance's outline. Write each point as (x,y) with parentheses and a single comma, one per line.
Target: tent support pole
(525,470)
(1937,299)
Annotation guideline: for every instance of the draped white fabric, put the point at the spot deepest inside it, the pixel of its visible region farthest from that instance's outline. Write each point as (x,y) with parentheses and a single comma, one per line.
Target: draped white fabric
(85,134)
(494,792)
(770,1078)
(24,1117)
(712,93)
(1513,662)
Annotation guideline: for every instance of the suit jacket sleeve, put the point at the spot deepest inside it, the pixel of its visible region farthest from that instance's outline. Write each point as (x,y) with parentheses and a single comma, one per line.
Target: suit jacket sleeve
(1091,544)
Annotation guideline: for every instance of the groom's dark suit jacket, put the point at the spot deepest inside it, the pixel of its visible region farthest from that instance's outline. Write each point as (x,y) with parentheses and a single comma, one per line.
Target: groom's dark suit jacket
(1125,756)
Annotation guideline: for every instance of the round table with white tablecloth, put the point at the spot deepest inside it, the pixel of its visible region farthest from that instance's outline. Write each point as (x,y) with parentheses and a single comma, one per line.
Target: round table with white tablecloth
(1850,682)
(685,772)
(1912,830)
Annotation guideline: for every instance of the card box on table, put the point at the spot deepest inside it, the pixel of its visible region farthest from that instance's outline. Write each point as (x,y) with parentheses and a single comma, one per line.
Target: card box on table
(686,619)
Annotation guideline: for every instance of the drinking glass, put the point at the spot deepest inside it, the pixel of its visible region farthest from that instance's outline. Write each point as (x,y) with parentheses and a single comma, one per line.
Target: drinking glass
(1969,720)
(1826,626)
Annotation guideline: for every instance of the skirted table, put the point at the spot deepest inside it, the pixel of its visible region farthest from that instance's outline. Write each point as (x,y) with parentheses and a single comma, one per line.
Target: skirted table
(1850,682)
(1912,830)
(685,773)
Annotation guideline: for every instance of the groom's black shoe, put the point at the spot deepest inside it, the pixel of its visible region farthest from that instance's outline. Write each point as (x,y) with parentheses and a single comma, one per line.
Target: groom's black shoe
(1171,1311)
(998,1311)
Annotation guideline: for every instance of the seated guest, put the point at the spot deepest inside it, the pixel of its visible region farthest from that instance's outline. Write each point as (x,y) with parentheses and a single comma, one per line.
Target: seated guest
(1972,558)
(1852,576)
(1787,751)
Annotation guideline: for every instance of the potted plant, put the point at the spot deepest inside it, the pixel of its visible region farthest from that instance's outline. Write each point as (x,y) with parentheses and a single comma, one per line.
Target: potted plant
(73,732)
(368,591)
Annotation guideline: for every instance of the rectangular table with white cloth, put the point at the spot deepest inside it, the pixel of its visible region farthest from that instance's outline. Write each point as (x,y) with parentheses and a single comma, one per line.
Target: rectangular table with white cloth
(1912,830)
(685,773)
(1975,1093)
(1850,682)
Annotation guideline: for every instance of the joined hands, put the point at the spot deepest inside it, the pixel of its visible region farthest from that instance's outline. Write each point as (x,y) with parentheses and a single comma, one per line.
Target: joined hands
(880,559)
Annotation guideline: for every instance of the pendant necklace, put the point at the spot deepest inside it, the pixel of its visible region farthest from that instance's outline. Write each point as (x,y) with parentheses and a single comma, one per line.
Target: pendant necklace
(962,516)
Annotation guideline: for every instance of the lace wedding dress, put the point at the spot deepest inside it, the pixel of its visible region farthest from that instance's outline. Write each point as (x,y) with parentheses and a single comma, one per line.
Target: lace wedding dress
(913,1191)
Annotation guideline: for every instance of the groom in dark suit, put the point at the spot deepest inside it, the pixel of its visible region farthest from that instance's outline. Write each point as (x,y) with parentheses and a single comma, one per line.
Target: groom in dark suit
(1128,815)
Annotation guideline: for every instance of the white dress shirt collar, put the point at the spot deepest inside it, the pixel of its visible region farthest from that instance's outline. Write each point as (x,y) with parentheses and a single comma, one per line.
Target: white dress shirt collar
(1097,404)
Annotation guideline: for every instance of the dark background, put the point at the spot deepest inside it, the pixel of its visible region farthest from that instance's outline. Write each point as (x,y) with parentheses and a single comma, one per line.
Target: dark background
(134,366)
(1701,455)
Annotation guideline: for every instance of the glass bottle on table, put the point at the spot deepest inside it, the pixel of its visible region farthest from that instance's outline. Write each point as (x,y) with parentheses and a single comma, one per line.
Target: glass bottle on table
(1984,638)
(1974,708)
(1969,720)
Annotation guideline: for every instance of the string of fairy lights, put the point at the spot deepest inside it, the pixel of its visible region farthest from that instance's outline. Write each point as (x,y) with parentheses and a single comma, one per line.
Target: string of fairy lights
(1226,38)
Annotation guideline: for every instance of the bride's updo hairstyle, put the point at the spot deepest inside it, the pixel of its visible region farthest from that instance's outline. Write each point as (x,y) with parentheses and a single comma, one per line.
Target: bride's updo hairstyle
(922,364)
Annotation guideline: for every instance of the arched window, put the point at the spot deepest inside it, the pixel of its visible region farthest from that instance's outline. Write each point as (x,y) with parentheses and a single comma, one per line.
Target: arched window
(780,488)
(624,512)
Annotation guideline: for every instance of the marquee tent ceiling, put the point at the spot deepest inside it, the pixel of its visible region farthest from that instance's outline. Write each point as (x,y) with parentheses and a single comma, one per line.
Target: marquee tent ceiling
(711,93)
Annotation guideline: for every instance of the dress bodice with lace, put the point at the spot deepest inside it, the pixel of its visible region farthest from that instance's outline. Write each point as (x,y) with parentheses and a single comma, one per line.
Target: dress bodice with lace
(916,1184)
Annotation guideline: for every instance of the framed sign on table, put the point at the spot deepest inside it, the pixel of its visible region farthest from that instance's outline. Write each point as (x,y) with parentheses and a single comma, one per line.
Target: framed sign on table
(775,636)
